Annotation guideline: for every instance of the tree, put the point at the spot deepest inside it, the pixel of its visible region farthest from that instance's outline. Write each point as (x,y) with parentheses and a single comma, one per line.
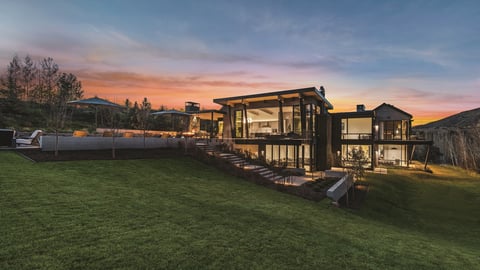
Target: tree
(358,159)
(29,70)
(11,88)
(48,75)
(143,117)
(67,88)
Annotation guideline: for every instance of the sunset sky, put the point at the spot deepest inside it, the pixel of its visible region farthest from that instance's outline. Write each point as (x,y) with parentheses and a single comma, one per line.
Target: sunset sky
(421,56)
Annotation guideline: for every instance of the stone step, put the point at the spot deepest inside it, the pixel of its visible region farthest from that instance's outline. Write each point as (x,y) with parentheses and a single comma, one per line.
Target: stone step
(261,170)
(267,173)
(238,161)
(253,167)
(235,159)
(278,178)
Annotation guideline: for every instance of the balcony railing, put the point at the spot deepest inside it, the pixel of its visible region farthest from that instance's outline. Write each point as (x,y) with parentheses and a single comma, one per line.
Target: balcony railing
(356,136)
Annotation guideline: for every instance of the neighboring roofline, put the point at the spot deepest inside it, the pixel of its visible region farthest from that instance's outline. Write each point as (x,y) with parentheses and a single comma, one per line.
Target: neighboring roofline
(223,101)
(393,107)
(210,111)
(170,112)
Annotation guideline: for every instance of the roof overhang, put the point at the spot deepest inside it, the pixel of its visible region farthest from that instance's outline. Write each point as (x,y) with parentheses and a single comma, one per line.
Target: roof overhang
(209,114)
(285,94)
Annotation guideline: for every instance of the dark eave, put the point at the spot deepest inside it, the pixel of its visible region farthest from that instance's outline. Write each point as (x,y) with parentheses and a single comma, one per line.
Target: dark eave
(310,91)
(207,114)
(353,114)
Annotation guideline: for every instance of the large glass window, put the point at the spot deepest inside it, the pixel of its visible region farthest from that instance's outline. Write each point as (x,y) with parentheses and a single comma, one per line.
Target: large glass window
(395,130)
(355,153)
(284,155)
(356,128)
(238,124)
(392,155)
(297,120)
(263,122)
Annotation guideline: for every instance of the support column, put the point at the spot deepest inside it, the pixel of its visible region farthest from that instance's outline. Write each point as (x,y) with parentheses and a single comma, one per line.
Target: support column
(310,121)
(426,158)
(212,125)
(411,154)
(246,119)
(232,127)
(280,116)
(302,117)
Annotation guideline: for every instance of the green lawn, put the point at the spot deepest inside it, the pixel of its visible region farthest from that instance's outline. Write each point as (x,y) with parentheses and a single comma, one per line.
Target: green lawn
(182,214)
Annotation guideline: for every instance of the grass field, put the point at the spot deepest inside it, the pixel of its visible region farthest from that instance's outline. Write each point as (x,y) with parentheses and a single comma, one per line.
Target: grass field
(182,214)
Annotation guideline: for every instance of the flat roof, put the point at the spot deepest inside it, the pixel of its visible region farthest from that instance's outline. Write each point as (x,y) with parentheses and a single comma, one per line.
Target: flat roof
(207,114)
(308,92)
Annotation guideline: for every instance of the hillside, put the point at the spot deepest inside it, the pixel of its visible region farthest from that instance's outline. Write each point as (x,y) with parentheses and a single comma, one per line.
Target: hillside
(466,119)
(455,139)
(182,214)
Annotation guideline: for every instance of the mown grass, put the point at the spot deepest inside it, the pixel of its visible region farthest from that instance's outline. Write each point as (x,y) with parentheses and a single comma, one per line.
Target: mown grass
(182,214)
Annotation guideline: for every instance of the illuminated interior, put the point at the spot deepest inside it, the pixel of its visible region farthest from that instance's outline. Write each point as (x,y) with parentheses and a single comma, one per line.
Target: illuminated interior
(357,128)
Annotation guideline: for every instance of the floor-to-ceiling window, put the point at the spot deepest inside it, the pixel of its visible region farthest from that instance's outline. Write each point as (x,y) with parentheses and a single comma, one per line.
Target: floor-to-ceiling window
(353,153)
(357,128)
(389,154)
(238,124)
(394,130)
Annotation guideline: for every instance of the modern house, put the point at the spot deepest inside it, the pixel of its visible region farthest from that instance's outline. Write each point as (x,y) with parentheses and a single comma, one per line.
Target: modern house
(293,128)
(393,144)
(207,123)
(289,128)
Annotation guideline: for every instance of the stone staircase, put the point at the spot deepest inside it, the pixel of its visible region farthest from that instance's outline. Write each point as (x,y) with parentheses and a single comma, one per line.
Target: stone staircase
(241,163)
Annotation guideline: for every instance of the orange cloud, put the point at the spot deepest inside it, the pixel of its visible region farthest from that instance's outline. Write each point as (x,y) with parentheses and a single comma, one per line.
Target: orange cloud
(171,91)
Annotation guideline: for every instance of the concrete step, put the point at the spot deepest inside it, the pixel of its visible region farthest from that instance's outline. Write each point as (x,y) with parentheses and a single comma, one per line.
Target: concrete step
(232,159)
(278,178)
(267,173)
(253,167)
(261,170)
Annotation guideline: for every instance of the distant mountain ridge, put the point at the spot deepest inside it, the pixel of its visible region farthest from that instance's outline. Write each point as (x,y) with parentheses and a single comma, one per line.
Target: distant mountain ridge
(455,139)
(465,119)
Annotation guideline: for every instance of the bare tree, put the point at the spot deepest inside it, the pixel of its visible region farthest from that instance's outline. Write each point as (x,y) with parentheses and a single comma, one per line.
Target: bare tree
(29,70)
(11,87)
(143,117)
(48,75)
(67,88)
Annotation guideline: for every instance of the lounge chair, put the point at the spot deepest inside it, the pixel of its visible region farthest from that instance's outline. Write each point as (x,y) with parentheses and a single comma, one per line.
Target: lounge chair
(32,140)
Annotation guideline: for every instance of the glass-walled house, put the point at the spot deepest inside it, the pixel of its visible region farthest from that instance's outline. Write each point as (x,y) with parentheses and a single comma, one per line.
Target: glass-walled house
(382,134)
(208,123)
(288,128)
(392,132)
(353,132)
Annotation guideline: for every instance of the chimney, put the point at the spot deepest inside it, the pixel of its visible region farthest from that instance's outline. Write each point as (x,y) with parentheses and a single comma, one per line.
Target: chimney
(322,91)
(360,108)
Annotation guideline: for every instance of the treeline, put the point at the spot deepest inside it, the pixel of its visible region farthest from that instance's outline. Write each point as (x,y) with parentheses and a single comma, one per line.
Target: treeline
(35,95)
(35,92)
(456,146)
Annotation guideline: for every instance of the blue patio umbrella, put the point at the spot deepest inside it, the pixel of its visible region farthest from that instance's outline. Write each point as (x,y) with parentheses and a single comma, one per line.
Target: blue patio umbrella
(99,102)
(96,102)
(172,113)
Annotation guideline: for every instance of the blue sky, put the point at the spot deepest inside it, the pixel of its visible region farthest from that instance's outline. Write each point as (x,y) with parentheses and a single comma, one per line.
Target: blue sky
(422,56)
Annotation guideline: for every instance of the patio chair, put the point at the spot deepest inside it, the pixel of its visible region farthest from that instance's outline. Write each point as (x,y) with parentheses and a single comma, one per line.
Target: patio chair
(32,140)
